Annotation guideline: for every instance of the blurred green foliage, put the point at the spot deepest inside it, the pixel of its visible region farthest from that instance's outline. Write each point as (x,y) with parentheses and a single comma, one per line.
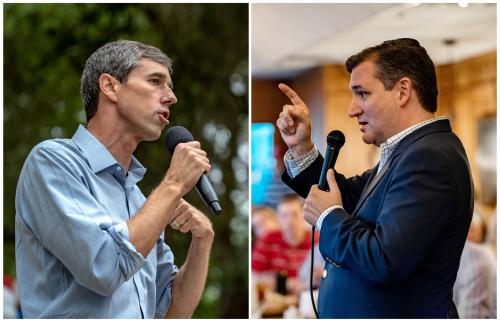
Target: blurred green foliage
(45,49)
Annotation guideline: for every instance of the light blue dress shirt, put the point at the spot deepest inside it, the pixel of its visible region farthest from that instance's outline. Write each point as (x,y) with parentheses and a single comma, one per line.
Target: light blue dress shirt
(73,254)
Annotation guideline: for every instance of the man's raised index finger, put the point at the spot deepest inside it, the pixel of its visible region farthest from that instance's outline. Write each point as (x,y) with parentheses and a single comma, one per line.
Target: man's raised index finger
(296,100)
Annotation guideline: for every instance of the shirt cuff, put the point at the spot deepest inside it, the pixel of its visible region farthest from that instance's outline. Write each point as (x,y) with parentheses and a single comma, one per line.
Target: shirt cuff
(294,166)
(132,261)
(324,214)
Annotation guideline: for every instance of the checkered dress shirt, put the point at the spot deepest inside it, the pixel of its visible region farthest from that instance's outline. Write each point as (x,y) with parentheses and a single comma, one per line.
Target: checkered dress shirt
(390,145)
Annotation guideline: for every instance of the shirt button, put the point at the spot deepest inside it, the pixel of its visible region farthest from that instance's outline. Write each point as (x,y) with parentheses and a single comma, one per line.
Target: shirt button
(118,169)
(325,273)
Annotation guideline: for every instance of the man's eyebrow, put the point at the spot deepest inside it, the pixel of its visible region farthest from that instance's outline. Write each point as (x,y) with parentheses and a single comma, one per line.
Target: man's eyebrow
(356,87)
(158,74)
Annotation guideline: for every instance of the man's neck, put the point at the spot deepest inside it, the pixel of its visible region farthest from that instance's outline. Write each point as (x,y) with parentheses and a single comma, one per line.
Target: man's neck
(412,119)
(420,118)
(121,145)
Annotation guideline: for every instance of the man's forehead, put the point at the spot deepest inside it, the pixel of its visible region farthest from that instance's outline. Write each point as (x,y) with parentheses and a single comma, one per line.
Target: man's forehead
(361,74)
(150,67)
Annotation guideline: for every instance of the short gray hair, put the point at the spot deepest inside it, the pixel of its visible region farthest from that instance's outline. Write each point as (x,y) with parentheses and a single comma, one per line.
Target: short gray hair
(116,58)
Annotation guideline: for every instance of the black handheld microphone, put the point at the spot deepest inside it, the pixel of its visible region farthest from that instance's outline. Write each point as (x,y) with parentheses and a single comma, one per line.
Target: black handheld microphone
(334,141)
(179,134)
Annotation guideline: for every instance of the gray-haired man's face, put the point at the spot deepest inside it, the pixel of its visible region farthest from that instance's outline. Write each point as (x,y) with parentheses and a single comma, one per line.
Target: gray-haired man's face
(144,100)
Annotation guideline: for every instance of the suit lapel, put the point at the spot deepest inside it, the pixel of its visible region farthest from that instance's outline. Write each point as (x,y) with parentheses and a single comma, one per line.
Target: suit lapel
(438,126)
(368,184)
(374,181)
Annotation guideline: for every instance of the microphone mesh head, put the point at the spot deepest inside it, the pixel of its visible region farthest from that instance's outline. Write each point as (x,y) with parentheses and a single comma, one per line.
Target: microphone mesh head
(176,135)
(335,139)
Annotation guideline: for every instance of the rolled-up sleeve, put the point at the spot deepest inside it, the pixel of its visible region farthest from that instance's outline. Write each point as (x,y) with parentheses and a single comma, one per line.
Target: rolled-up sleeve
(132,259)
(59,208)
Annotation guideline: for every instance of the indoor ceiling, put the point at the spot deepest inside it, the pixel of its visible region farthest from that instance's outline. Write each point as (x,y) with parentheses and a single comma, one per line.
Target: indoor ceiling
(289,38)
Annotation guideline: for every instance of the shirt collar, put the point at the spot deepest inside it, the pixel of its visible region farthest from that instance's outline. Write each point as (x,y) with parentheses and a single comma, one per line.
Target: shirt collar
(391,143)
(98,157)
(137,170)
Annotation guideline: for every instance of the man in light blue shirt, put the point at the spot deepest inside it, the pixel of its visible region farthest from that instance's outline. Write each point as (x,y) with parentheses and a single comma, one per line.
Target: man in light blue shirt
(89,244)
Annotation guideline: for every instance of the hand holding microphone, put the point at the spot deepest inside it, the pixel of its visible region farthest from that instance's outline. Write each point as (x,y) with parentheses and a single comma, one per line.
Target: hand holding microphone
(189,165)
(326,193)
(318,201)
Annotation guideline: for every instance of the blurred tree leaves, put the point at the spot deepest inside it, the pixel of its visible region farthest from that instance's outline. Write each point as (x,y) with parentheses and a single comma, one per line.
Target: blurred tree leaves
(45,48)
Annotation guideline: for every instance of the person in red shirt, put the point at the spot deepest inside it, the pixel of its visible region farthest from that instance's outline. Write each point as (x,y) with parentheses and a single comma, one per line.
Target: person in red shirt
(264,221)
(283,251)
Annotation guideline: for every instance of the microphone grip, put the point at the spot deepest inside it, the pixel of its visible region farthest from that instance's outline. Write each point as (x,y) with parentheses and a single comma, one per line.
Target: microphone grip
(208,195)
(331,155)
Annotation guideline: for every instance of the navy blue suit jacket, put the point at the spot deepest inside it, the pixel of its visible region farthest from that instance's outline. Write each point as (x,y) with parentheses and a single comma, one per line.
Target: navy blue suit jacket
(394,251)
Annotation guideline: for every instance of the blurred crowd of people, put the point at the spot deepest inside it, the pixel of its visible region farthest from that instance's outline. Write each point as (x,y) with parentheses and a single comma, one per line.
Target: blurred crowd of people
(282,246)
(281,251)
(281,255)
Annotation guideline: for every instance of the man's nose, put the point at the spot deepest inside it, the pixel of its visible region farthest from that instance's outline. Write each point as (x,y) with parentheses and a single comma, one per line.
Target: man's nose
(354,109)
(168,98)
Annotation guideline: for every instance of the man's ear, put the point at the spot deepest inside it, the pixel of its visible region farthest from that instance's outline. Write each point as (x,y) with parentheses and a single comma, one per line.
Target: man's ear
(107,85)
(405,87)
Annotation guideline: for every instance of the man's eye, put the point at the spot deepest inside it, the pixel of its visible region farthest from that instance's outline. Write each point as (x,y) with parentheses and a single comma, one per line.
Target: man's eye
(362,94)
(154,81)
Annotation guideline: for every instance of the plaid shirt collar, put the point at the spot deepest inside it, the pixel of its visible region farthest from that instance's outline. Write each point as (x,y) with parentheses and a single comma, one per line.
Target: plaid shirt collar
(390,145)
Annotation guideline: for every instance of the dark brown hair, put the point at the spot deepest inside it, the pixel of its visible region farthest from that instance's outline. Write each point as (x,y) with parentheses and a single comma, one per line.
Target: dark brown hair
(398,58)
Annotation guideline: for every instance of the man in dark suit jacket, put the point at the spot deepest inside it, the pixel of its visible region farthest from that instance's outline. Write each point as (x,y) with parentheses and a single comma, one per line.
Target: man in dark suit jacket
(392,237)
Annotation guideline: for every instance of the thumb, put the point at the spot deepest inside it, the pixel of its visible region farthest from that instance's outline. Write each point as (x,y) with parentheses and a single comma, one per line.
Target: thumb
(330,178)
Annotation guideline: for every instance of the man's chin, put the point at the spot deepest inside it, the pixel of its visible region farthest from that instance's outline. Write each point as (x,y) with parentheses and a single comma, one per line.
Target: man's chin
(367,139)
(153,136)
